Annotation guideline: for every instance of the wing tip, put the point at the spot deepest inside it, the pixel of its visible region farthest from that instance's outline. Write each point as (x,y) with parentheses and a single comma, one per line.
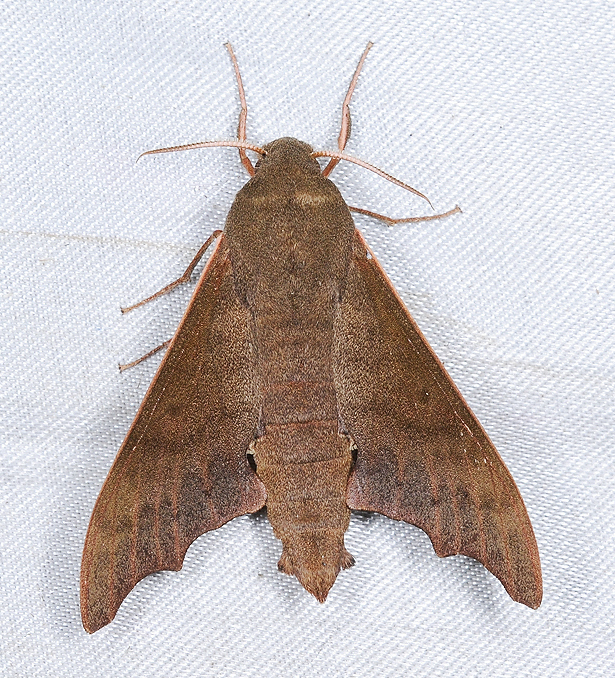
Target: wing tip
(97,612)
(531,598)
(530,595)
(94,617)
(93,625)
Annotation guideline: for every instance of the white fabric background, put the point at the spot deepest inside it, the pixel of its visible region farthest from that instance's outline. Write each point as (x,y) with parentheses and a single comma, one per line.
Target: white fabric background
(504,108)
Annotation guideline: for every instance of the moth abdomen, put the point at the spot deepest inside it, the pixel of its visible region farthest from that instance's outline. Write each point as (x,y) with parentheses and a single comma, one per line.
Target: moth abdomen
(304,467)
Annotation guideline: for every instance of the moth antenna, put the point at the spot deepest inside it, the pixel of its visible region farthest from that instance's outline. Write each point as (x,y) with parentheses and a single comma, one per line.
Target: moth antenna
(207,144)
(389,221)
(243,115)
(346,121)
(342,156)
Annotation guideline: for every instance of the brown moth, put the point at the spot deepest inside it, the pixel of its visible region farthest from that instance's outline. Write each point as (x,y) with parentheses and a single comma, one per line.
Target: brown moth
(298,380)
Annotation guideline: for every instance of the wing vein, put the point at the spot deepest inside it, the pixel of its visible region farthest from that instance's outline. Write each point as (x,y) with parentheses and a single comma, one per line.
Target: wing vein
(437,509)
(456,508)
(477,509)
(174,495)
(111,584)
(132,559)
(503,533)
(157,499)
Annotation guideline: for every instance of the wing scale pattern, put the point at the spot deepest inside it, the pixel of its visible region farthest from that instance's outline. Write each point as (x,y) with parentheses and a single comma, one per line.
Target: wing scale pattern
(182,469)
(422,456)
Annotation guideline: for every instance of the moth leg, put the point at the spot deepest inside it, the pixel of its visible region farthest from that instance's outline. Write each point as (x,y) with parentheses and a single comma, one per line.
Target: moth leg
(346,124)
(347,560)
(243,115)
(144,357)
(184,278)
(391,222)
(284,564)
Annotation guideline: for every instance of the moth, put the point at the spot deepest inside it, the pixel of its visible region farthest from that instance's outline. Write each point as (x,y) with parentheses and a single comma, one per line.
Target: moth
(297,380)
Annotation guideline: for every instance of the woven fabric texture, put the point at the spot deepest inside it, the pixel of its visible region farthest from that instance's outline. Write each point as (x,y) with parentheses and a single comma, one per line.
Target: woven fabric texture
(506,109)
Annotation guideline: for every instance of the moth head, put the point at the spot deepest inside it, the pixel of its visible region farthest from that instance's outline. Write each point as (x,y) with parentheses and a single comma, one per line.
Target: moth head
(287,151)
